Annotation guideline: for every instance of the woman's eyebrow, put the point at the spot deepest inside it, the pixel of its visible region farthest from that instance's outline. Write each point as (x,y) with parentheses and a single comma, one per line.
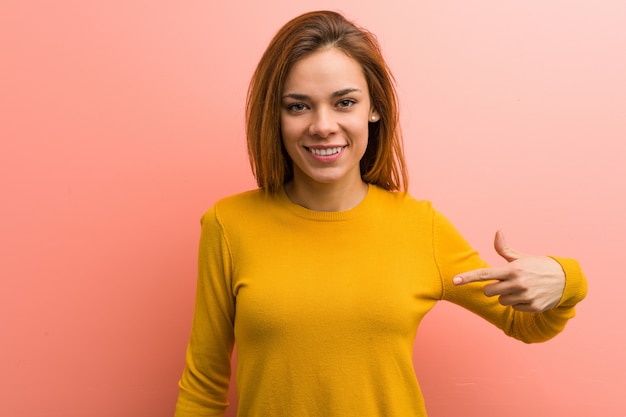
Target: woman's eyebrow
(296,96)
(305,97)
(344,92)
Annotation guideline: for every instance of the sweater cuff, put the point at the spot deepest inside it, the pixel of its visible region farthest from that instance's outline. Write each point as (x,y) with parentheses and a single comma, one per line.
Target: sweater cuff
(575,282)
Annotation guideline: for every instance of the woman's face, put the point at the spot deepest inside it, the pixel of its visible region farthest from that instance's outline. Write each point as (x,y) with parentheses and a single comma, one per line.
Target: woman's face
(324,118)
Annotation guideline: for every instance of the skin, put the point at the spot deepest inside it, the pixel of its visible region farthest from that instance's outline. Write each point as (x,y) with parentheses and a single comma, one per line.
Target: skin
(528,283)
(326,108)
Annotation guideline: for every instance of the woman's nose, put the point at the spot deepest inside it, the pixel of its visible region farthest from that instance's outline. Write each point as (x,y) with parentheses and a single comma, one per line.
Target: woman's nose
(323,123)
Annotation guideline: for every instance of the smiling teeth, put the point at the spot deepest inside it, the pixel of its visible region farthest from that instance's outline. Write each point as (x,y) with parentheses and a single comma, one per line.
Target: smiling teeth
(325,152)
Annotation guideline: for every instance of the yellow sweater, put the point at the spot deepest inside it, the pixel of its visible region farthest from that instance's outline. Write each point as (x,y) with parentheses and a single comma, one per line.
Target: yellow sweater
(325,306)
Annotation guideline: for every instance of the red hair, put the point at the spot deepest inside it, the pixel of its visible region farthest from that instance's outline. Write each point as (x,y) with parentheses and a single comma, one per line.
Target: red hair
(383,163)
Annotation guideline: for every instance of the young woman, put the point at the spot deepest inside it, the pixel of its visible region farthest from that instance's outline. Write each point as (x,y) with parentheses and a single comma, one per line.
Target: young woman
(323,274)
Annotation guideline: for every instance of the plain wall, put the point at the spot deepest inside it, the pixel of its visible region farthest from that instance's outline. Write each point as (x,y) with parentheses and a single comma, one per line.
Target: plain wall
(121,122)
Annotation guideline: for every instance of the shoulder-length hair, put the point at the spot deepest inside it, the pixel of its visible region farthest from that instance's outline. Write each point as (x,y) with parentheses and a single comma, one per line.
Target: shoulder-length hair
(383,163)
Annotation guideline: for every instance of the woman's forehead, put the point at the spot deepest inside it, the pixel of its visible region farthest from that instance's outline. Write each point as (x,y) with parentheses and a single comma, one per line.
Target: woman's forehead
(328,69)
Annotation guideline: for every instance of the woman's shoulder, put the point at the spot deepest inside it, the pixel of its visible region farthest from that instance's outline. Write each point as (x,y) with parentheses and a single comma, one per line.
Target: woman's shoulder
(241,200)
(239,206)
(403,213)
(403,201)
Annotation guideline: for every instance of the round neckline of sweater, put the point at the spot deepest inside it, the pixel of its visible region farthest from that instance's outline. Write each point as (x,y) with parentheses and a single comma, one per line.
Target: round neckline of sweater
(328,216)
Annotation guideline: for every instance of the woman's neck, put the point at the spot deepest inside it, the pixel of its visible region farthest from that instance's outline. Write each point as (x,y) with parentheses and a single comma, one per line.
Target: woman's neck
(326,197)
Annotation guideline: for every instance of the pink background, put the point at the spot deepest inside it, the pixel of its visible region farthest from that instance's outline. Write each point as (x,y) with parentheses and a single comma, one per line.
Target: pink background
(121,122)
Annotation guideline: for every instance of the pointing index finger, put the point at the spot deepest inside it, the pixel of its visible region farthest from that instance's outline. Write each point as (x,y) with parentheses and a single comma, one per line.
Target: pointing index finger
(482,274)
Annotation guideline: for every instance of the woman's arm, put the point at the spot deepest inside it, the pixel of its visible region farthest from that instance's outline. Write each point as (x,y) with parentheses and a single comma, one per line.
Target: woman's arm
(531,298)
(206,377)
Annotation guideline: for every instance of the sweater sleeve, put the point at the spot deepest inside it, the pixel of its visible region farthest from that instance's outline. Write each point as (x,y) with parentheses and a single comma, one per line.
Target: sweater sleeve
(454,255)
(203,387)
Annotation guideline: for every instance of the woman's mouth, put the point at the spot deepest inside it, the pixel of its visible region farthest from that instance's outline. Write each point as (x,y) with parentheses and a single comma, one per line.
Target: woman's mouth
(326,151)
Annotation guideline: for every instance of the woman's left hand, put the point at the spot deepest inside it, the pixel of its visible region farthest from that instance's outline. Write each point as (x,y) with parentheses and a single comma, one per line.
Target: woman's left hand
(527,283)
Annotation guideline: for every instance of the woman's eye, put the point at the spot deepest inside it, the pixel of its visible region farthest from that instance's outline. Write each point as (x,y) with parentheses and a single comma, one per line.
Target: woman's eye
(296,107)
(345,103)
